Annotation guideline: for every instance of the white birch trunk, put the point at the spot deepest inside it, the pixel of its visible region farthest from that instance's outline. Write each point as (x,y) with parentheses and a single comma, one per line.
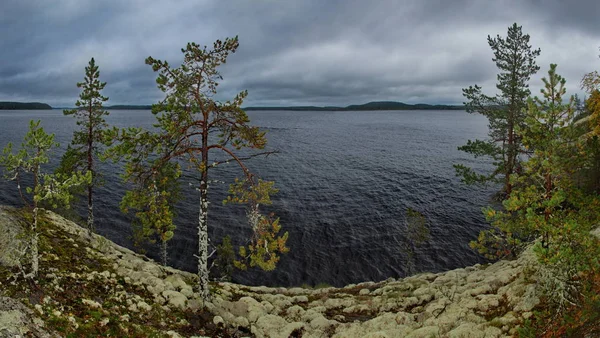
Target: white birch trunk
(35,264)
(203,243)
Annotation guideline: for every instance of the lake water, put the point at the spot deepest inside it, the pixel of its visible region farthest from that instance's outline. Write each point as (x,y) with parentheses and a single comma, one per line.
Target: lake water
(346,180)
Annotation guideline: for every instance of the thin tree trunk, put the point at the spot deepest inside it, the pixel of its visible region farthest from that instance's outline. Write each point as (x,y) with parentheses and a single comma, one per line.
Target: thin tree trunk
(203,218)
(203,241)
(510,163)
(163,253)
(90,160)
(35,264)
(90,220)
(548,186)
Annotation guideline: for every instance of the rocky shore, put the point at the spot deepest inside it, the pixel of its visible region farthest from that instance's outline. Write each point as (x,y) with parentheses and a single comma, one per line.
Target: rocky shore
(109,289)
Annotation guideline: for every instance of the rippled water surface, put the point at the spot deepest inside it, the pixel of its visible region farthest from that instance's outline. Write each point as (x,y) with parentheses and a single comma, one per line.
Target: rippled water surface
(346,180)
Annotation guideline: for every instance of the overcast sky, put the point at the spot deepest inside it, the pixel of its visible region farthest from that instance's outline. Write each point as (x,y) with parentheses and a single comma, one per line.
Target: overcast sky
(295,52)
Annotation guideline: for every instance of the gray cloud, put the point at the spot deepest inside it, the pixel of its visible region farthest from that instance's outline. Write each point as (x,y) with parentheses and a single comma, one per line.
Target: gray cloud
(292,52)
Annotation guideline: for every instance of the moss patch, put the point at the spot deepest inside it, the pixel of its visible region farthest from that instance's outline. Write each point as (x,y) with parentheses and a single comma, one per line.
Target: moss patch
(78,294)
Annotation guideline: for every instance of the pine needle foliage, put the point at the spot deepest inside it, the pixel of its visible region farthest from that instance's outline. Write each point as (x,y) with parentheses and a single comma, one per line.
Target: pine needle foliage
(200,133)
(85,148)
(546,206)
(515,59)
(51,190)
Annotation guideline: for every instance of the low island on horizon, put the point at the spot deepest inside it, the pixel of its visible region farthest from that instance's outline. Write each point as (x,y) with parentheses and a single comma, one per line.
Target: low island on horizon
(7,105)
(375,105)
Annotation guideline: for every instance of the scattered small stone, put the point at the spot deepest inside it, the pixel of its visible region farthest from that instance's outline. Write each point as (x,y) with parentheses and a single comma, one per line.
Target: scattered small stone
(218,320)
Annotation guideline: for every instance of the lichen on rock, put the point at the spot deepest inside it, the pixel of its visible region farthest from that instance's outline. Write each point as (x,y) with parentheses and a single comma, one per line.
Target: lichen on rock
(120,291)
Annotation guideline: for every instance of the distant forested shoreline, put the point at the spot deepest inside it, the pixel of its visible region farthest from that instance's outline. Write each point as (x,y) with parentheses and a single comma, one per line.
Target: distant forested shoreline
(6,105)
(378,105)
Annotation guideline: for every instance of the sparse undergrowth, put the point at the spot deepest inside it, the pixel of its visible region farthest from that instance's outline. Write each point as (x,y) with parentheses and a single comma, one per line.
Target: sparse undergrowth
(580,320)
(89,286)
(79,294)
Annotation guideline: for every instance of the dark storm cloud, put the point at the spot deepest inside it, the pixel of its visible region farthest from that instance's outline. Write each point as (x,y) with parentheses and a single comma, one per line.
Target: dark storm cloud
(292,52)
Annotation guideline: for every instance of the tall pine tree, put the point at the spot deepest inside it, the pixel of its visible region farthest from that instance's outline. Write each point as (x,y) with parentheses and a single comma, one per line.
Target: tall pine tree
(515,59)
(546,201)
(83,153)
(193,128)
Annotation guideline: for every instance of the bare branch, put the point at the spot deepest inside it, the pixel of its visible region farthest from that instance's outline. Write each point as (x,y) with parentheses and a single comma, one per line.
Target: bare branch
(265,153)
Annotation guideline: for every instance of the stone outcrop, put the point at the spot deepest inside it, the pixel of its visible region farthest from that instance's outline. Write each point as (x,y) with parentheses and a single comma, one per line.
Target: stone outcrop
(477,301)
(17,320)
(9,239)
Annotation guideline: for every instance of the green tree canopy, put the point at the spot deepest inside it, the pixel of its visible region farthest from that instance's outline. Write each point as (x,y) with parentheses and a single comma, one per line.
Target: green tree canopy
(46,189)
(84,150)
(515,60)
(546,202)
(191,128)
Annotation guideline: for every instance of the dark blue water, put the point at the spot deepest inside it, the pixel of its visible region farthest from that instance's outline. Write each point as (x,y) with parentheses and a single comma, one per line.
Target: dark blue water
(345,180)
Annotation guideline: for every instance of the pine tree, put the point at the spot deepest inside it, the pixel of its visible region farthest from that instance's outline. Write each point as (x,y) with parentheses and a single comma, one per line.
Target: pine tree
(515,59)
(152,202)
(546,201)
(46,189)
(191,125)
(548,131)
(83,153)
